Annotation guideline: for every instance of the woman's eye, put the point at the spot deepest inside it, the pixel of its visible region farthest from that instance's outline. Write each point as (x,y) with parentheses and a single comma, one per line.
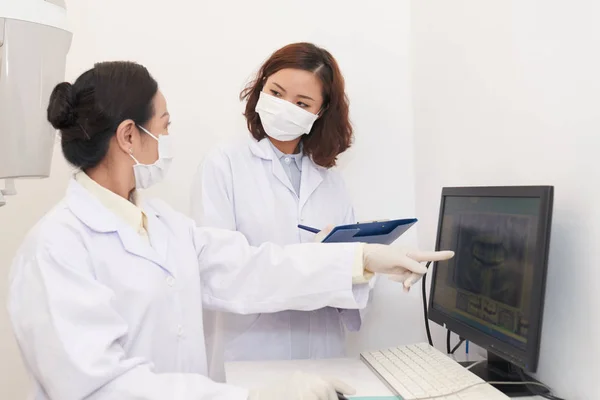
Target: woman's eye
(275,93)
(301,104)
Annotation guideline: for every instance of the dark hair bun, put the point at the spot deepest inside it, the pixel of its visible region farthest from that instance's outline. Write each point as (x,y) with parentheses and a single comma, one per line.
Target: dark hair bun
(61,109)
(89,112)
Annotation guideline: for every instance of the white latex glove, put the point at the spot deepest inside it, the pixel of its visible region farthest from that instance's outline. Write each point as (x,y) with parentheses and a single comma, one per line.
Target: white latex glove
(301,386)
(400,264)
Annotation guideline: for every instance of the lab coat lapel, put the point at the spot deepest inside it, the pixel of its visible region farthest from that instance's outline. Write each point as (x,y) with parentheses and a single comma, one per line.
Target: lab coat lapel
(263,150)
(92,213)
(159,238)
(135,244)
(310,180)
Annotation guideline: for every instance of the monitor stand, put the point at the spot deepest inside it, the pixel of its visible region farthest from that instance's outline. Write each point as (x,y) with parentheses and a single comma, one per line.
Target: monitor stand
(497,369)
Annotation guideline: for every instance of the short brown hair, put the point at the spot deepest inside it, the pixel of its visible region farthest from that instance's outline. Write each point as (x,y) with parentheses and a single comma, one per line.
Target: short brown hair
(332,133)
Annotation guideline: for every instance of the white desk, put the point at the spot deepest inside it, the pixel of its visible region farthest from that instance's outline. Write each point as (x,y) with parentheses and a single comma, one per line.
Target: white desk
(352,371)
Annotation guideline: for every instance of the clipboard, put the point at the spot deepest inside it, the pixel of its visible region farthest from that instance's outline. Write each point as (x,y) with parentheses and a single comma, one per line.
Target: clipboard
(383,232)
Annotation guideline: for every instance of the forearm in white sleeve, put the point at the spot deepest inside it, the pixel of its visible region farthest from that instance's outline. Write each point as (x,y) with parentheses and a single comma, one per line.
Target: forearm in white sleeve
(239,278)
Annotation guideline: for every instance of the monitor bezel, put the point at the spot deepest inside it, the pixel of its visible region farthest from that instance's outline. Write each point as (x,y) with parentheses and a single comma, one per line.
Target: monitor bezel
(527,359)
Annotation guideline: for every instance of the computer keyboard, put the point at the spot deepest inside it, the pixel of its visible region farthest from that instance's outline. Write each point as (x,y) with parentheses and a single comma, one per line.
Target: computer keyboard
(420,371)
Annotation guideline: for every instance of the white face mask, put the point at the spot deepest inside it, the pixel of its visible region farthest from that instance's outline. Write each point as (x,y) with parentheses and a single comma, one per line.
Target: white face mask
(148,175)
(283,120)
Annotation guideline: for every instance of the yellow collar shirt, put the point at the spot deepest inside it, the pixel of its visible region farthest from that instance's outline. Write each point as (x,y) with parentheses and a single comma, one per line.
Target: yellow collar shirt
(128,211)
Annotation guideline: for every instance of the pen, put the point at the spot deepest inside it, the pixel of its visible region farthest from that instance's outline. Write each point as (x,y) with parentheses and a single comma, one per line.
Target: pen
(341,396)
(308,228)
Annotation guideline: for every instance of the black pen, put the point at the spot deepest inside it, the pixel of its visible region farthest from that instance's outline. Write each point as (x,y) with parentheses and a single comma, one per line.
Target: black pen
(308,228)
(341,396)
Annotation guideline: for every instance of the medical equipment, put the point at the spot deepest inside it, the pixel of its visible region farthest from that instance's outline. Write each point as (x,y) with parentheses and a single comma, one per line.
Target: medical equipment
(34,42)
(419,371)
(492,293)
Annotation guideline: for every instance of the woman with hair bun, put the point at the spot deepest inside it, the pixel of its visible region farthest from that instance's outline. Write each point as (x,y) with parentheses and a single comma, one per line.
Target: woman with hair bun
(107,291)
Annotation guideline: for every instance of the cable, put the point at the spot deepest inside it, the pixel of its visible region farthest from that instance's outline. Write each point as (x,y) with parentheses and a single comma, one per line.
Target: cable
(485,383)
(425,314)
(448,337)
(534,390)
(426,317)
(460,342)
(546,395)
(475,364)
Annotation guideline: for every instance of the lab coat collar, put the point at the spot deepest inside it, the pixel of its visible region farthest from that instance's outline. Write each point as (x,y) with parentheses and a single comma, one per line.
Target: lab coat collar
(297,157)
(312,174)
(264,150)
(89,210)
(311,178)
(98,218)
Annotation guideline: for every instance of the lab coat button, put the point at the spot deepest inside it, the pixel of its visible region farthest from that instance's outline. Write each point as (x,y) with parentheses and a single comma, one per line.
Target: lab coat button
(170,281)
(179,330)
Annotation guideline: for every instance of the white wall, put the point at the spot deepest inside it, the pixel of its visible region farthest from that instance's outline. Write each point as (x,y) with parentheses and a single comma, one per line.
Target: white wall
(506,93)
(202,54)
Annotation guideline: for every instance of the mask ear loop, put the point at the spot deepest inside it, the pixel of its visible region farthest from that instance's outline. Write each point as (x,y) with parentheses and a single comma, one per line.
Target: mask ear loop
(148,132)
(131,150)
(319,115)
(322,110)
(134,159)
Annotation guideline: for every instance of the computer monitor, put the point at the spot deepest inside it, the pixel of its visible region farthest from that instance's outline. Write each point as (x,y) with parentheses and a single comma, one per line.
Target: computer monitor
(492,292)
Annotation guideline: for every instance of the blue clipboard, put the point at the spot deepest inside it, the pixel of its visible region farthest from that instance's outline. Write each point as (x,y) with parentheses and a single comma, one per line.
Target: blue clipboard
(383,232)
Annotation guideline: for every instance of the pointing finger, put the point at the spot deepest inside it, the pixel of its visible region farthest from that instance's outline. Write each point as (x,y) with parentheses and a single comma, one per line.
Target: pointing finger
(424,256)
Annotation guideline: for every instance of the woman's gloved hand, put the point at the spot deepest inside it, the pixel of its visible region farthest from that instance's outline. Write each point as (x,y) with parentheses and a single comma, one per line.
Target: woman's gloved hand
(324,233)
(301,386)
(400,264)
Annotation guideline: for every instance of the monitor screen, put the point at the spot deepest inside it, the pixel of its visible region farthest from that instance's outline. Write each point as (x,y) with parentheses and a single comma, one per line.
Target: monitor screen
(488,285)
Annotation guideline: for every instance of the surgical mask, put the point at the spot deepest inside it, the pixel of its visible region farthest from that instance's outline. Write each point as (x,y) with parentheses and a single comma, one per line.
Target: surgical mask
(148,175)
(283,120)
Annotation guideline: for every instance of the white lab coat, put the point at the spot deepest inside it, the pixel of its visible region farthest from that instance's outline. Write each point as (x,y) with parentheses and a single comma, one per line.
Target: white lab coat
(242,186)
(99,313)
